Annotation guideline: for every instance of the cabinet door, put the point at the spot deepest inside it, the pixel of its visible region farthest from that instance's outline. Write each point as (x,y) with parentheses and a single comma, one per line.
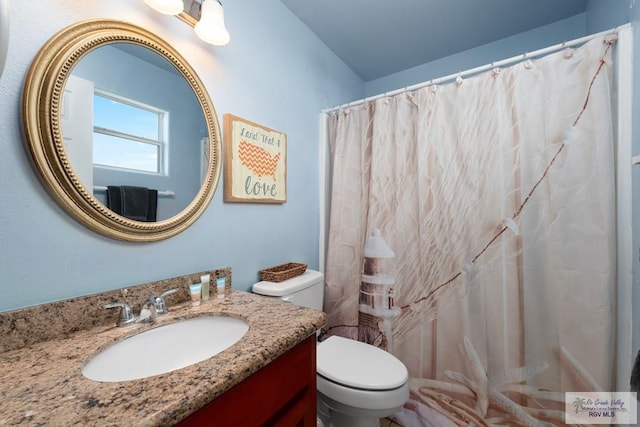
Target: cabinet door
(283,394)
(296,414)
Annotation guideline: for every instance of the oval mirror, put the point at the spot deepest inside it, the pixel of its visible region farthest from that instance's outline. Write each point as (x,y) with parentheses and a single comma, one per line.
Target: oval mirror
(121,130)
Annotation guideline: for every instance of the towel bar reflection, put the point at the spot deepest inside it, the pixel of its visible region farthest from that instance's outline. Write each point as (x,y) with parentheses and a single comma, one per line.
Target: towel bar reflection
(167,193)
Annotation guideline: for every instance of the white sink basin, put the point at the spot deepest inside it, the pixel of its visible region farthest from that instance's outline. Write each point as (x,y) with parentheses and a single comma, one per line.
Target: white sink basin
(165,348)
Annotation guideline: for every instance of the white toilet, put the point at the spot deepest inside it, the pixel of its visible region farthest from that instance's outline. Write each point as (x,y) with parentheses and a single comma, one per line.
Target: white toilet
(357,383)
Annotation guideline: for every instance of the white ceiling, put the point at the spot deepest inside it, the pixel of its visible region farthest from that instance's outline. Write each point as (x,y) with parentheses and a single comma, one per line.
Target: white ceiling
(376,38)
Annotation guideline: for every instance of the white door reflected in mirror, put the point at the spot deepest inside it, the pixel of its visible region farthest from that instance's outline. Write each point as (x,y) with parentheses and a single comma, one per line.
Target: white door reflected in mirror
(77,120)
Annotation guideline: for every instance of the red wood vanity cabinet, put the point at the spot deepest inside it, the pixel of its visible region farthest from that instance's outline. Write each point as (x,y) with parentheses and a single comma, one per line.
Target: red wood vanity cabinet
(283,393)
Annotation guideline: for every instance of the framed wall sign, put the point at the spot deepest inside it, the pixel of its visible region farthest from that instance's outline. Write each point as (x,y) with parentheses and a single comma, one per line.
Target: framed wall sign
(255,162)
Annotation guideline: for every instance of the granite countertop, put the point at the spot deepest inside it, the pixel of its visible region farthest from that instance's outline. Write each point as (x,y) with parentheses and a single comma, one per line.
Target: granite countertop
(42,384)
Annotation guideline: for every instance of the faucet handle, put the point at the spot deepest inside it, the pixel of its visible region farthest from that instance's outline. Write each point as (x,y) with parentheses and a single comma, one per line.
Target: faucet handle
(159,302)
(169,292)
(126,314)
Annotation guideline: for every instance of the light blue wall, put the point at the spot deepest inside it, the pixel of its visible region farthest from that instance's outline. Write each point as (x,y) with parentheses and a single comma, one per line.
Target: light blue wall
(274,72)
(605,14)
(600,15)
(528,41)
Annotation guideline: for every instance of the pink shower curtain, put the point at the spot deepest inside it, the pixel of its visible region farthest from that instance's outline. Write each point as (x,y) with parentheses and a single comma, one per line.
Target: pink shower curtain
(497,195)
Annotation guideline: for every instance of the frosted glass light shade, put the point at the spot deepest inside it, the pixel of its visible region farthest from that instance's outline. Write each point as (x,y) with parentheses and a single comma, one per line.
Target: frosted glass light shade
(210,28)
(376,247)
(167,7)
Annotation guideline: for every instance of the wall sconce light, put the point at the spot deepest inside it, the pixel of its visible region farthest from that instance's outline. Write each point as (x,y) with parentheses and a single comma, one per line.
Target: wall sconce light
(206,16)
(166,7)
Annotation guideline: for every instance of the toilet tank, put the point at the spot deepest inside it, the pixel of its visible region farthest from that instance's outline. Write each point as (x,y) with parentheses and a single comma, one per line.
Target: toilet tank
(306,290)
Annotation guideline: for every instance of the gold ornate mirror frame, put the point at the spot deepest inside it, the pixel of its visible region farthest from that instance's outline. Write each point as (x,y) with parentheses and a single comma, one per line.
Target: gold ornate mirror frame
(42,100)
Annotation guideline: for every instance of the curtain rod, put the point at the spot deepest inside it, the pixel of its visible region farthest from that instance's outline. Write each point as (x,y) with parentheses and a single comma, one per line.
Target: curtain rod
(486,67)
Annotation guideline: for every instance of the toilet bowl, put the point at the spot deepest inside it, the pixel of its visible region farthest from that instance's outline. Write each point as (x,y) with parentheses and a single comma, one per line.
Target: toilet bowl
(357,383)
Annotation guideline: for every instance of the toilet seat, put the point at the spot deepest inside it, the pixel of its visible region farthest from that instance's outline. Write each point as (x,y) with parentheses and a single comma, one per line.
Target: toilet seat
(376,403)
(358,365)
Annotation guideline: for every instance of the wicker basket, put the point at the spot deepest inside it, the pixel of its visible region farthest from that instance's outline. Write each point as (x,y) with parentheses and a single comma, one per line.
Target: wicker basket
(282,272)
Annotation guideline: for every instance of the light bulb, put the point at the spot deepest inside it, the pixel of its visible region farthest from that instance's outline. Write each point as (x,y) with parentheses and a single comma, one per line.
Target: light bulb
(210,28)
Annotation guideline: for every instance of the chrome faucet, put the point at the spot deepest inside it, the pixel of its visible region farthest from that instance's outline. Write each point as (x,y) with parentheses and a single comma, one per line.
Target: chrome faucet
(159,302)
(126,314)
(154,305)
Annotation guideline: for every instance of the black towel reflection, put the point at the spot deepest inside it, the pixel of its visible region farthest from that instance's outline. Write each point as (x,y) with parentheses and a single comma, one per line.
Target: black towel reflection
(136,203)
(635,374)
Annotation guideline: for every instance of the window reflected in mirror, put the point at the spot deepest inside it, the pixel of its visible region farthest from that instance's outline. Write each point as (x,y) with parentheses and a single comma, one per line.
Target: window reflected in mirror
(127,134)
